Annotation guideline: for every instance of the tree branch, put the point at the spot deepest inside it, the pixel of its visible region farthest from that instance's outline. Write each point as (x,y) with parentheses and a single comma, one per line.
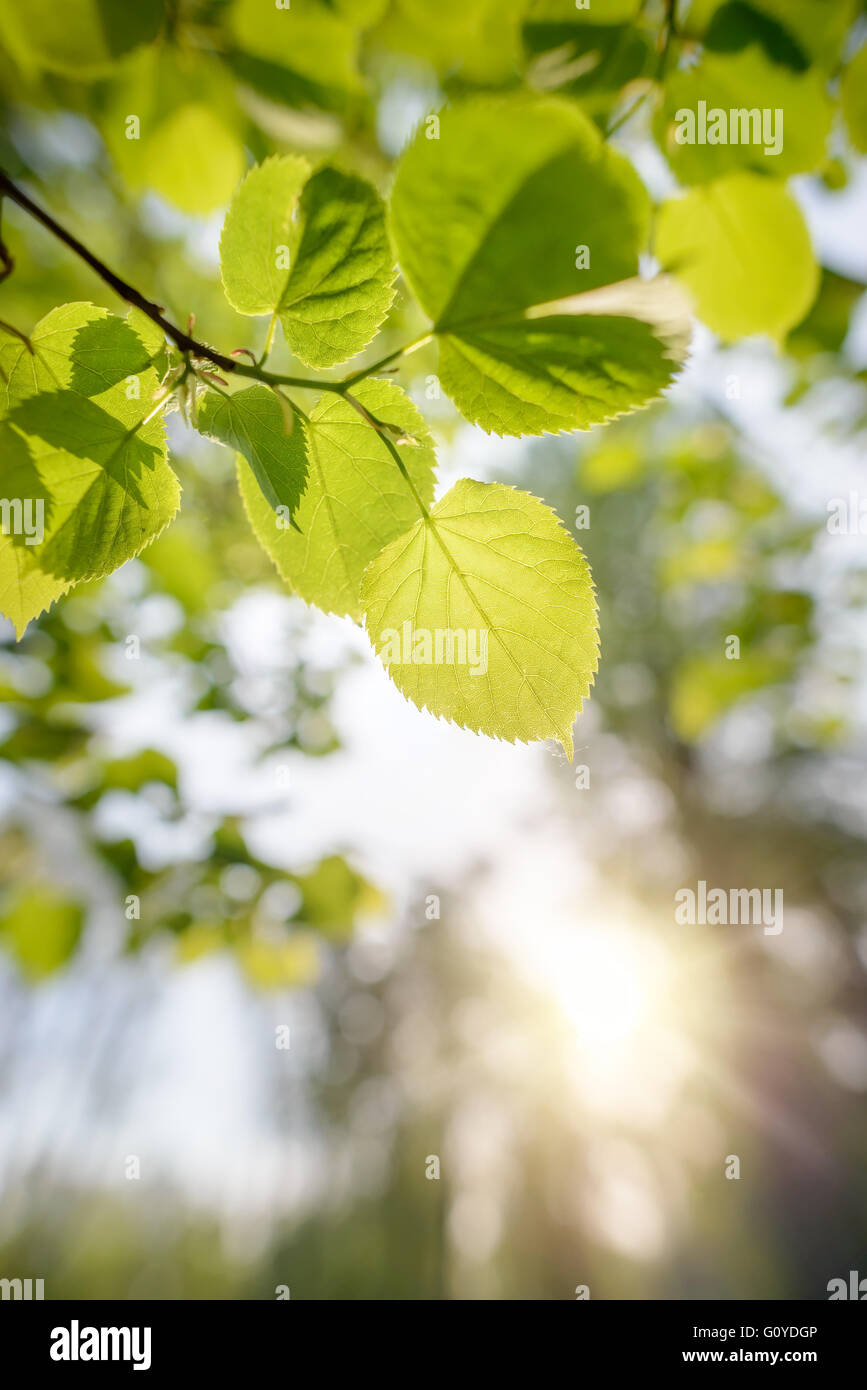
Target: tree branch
(183,341)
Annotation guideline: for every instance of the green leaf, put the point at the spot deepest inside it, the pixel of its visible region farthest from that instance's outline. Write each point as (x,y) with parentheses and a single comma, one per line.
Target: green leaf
(76,442)
(815,29)
(516,210)
(853,99)
(26,590)
(741,247)
(308,39)
(593,13)
(494,567)
(361,13)
(480,41)
(275,964)
(301,56)
(818,26)
(705,686)
(41,930)
(486,218)
(152,338)
(78,346)
(789,139)
(340,286)
(736,25)
(827,324)
(132,773)
(169,121)
(334,896)
(194,159)
(568,370)
(253,423)
(315,252)
(356,499)
(80,38)
(258,235)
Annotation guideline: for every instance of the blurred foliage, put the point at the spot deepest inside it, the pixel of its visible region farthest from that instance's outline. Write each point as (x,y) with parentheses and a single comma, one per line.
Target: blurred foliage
(41,930)
(90,655)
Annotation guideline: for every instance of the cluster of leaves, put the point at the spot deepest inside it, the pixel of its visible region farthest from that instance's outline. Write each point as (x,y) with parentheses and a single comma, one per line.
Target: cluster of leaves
(342,498)
(517,229)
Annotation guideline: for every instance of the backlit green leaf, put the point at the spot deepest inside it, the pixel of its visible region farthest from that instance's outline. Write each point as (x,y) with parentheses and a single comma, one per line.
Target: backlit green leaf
(481,40)
(253,423)
(41,929)
(194,160)
(310,39)
(356,499)
(512,213)
(486,218)
(340,285)
(78,450)
(741,247)
(484,613)
(258,234)
(80,38)
(740,110)
(169,121)
(571,369)
(316,253)
(817,26)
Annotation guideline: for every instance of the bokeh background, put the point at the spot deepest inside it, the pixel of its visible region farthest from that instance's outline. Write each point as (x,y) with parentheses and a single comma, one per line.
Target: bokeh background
(234,825)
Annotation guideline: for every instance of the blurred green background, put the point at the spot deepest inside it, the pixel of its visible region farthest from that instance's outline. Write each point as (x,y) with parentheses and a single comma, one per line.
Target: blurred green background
(509,1072)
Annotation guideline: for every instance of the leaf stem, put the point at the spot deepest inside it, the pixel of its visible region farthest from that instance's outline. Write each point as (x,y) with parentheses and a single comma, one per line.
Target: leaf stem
(384,361)
(193,350)
(269,341)
(302,414)
(382,431)
(183,341)
(160,405)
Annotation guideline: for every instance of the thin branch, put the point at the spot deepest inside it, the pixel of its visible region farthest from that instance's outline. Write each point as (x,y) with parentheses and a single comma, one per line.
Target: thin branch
(183,341)
(7,265)
(189,346)
(382,430)
(390,357)
(269,341)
